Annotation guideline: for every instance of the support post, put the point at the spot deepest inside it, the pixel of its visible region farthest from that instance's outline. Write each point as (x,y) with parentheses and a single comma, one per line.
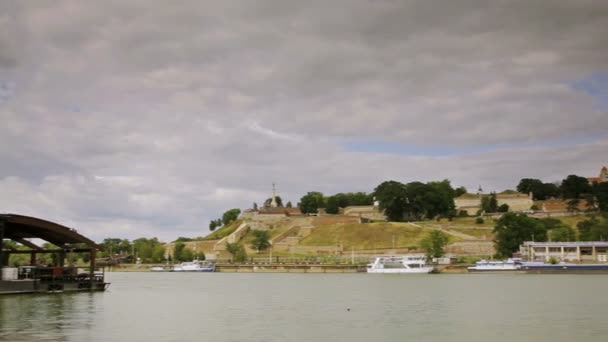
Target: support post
(1,243)
(33,259)
(92,270)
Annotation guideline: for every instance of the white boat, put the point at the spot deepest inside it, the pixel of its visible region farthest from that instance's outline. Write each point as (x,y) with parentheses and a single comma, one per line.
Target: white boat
(399,264)
(495,266)
(195,266)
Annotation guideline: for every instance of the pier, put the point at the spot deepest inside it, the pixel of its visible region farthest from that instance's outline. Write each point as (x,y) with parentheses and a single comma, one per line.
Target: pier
(58,277)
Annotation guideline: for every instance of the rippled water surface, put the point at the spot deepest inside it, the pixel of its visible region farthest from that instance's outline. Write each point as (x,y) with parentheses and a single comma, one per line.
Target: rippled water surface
(315,307)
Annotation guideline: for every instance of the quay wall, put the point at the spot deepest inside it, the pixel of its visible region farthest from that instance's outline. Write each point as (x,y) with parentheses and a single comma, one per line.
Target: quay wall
(290,268)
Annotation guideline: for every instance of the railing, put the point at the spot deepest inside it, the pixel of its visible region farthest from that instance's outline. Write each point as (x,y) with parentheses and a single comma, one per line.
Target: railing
(70,274)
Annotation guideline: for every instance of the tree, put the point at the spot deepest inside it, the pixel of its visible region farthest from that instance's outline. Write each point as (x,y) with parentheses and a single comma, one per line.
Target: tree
(288,205)
(513,229)
(531,185)
(181,253)
(434,243)
(460,191)
(489,203)
(393,199)
(593,229)
(311,202)
(332,206)
(237,251)
(574,186)
(600,190)
(539,190)
(503,208)
(212,225)
(230,215)
(255,206)
(584,228)
(563,233)
(261,240)
(277,199)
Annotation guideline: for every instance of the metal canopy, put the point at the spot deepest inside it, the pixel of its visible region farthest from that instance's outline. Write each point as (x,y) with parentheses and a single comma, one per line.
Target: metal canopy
(18,228)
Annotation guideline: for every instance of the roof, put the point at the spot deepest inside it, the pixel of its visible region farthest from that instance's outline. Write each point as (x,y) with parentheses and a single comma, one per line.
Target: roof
(19,227)
(567,244)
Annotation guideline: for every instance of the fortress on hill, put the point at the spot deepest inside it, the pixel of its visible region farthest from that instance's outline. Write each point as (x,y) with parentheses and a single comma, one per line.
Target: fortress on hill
(471,203)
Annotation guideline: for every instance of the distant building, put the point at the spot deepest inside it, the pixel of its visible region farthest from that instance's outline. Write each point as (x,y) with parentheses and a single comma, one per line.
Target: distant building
(587,251)
(601,179)
(471,203)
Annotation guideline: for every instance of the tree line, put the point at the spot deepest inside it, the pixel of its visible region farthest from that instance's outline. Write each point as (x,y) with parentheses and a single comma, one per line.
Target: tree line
(400,202)
(513,229)
(574,189)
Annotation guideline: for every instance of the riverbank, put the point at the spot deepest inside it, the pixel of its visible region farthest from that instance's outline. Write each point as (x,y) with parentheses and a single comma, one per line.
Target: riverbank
(285,268)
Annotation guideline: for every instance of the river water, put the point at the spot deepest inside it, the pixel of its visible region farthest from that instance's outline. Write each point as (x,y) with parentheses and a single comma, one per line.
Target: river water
(317,307)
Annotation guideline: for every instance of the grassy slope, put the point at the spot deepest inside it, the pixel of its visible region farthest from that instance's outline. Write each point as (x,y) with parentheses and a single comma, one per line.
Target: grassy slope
(366,236)
(224,231)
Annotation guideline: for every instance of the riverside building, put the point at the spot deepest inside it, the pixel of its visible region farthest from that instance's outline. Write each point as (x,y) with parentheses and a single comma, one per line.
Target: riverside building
(580,251)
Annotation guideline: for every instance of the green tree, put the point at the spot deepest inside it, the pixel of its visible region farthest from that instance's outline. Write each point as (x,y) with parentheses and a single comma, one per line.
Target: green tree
(503,208)
(332,206)
(563,233)
(539,190)
(489,203)
(575,186)
(600,190)
(513,229)
(434,243)
(311,202)
(460,191)
(230,215)
(393,199)
(593,229)
(237,251)
(261,240)
(278,199)
(288,205)
(177,251)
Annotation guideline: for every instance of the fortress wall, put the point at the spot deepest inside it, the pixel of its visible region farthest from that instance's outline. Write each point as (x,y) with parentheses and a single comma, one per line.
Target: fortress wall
(327,220)
(516,204)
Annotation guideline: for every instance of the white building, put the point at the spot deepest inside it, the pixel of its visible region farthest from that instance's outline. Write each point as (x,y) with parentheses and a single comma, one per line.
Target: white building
(586,251)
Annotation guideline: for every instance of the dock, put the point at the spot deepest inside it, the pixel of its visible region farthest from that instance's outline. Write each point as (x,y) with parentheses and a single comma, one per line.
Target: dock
(35,278)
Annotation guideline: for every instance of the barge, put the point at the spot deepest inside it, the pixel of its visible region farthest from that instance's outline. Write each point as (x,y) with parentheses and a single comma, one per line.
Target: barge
(561,268)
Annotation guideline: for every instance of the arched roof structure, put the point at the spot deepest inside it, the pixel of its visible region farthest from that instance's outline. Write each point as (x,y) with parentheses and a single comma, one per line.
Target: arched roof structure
(19,227)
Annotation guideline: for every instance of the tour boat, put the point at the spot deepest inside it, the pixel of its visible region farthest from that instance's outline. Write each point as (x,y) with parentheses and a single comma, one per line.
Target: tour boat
(399,264)
(195,266)
(495,266)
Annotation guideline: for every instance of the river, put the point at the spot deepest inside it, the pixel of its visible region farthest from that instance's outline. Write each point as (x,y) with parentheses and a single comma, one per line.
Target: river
(317,307)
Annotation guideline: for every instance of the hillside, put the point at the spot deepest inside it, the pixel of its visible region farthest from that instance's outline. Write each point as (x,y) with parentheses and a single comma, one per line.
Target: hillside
(331,234)
(367,235)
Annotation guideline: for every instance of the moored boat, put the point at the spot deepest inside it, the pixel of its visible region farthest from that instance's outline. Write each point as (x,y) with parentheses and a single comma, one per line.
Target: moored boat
(495,266)
(195,266)
(542,268)
(401,264)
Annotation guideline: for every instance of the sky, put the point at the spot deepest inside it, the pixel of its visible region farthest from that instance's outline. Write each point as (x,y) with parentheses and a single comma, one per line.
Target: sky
(149,118)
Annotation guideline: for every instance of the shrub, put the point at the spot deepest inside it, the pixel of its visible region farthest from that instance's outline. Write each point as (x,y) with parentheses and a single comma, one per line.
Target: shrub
(479,220)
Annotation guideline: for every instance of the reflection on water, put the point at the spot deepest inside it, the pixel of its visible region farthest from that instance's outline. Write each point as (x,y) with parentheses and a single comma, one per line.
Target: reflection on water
(53,317)
(316,307)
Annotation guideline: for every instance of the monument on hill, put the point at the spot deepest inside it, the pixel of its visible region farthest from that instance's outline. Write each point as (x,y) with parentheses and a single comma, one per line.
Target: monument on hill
(273,202)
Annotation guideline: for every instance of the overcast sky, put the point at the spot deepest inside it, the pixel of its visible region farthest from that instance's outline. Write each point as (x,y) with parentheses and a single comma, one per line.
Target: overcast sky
(149,118)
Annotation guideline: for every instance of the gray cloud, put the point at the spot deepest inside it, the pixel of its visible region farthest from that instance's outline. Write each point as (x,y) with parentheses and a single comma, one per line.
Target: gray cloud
(150,118)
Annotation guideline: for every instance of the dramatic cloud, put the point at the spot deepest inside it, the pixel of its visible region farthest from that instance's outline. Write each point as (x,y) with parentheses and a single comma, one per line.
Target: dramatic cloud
(149,118)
